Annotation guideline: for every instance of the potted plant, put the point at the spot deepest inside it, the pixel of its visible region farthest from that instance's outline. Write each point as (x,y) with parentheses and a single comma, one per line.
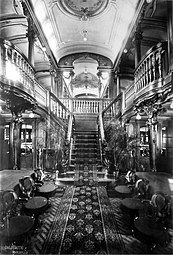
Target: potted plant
(120,149)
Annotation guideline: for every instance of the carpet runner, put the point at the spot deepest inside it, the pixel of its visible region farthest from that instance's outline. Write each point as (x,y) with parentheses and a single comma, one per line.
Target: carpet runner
(84,223)
(84,232)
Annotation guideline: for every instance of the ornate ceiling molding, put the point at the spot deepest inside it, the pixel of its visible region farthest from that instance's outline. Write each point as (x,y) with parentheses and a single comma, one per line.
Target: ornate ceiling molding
(85,80)
(83,9)
(103,62)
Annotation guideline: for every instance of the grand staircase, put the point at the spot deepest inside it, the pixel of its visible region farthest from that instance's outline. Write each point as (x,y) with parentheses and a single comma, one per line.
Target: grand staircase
(85,148)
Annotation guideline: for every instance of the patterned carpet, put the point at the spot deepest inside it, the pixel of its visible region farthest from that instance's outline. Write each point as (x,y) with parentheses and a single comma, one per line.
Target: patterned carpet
(84,232)
(82,219)
(83,223)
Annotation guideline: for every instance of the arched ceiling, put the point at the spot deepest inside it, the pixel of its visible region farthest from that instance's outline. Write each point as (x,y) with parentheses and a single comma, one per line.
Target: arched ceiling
(97,26)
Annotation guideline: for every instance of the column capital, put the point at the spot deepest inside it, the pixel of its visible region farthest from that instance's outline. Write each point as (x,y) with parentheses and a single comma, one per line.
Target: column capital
(151,110)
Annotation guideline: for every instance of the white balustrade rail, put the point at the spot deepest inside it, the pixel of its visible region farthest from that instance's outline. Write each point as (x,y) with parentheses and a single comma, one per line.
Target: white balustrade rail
(85,105)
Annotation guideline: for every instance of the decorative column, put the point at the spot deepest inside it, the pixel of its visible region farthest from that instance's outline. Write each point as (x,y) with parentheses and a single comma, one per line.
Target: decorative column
(170,33)
(99,74)
(137,43)
(15,140)
(113,85)
(152,113)
(34,142)
(136,152)
(53,87)
(31,35)
(118,82)
(59,83)
(31,39)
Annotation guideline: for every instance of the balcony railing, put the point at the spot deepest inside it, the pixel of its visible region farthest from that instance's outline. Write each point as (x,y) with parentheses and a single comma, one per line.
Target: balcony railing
(129,96)
(15,69)
(17,73)
(149,75)
(151,70)
(149,78)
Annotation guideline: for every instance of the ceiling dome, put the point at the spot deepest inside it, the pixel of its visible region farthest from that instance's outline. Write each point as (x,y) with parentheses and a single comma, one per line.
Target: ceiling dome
(84,8)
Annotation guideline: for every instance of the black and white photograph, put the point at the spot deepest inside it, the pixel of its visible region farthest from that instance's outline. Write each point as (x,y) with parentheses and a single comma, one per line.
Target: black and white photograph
(86,127)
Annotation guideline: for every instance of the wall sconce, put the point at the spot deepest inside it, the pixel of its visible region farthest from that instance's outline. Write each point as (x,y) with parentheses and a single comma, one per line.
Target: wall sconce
(138,116)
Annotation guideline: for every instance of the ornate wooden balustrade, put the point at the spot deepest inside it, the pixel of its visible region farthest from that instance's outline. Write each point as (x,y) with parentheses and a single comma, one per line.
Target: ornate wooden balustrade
(151,77)
(152,69)
(15,69)
(17,74)
(113,110)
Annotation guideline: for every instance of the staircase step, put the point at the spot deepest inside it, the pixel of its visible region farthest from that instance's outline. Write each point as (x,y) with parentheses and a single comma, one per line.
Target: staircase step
(84,157)
(85,150)
(83,145)
(84,161)
(87,132)
(83,136)
(88,140)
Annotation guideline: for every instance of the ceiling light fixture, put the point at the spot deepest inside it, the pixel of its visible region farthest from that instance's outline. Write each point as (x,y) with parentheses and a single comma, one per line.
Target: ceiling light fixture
(84,32)
(86,70)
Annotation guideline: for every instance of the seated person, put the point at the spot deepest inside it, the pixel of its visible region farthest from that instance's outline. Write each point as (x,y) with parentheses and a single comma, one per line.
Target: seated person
(141,187)
(38,176)
(131,176)
(161,205)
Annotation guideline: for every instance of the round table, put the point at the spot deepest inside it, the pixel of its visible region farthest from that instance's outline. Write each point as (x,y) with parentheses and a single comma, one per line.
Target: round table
(36,204)
(123,190)
(17,227)
(46,189)
(150,231)
(131,206)
(131,203)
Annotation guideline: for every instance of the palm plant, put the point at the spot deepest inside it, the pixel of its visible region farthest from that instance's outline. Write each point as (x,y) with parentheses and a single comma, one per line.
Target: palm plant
(120,149)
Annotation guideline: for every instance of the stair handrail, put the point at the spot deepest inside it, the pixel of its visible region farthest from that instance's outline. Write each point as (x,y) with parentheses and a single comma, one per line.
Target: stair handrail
(101,127)
(70,134)
(116,99)
(70,126)
(113,110)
